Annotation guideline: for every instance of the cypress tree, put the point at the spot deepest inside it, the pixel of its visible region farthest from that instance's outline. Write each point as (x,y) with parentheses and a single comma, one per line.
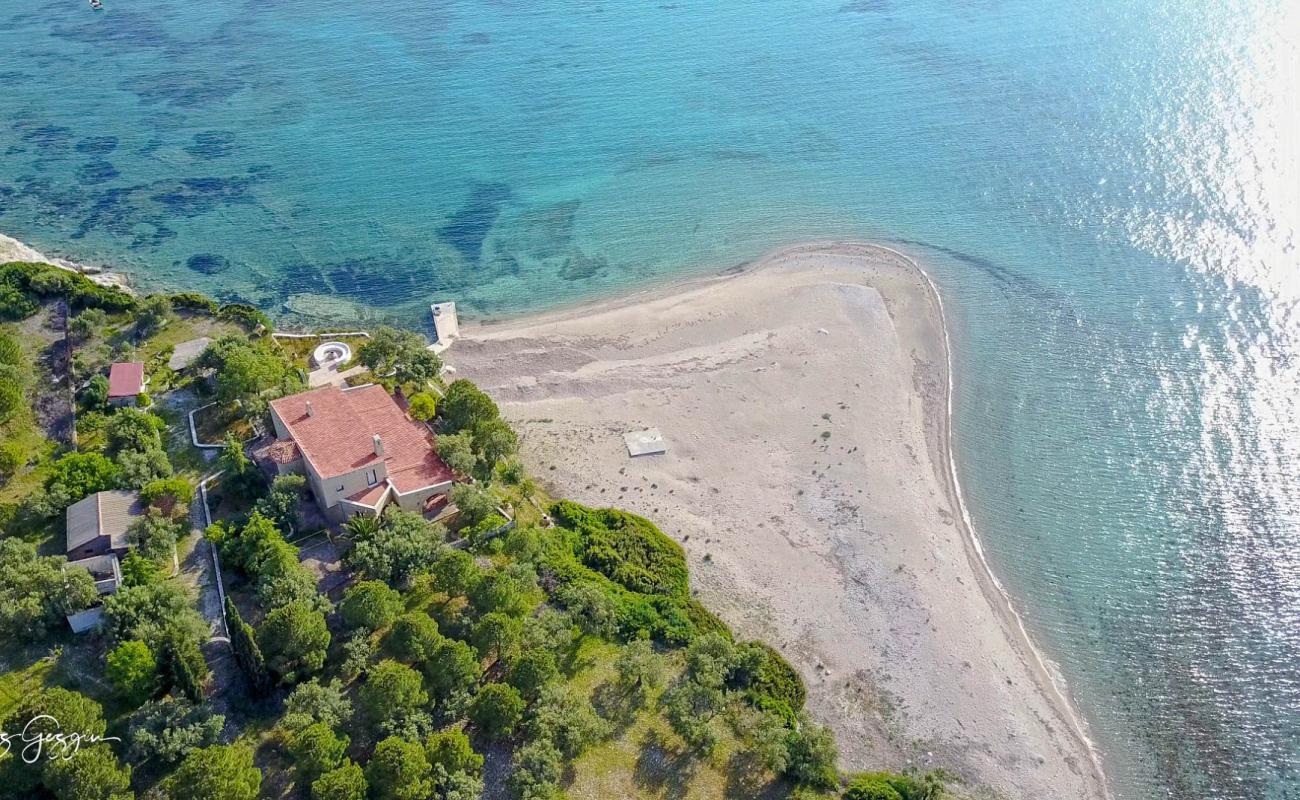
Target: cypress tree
(186,667)
(247,654)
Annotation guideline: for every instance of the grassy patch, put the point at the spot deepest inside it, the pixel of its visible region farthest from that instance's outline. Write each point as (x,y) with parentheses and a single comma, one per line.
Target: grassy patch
(18,684)
(647,761)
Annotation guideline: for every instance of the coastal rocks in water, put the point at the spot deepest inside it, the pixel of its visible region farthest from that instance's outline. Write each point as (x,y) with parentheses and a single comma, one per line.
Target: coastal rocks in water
(544,231)
(581,266)
(48,137)
(209,145)
(469,226)
(208,263)
(97,145)
(327,308)
(98,171)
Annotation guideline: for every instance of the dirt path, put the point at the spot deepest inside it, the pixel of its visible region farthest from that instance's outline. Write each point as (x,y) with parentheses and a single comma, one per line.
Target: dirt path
(197,572)
(52,399)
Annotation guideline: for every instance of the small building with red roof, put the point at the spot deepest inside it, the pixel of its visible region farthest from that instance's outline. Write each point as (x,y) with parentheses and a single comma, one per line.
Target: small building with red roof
(358,449)
(125,382)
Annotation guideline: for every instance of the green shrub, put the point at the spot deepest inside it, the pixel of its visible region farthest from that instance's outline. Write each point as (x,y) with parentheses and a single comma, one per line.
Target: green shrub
(371,605)
(871,788)
(169,495)
(895,786)
(22,284)
(626,548)
(768,680)
(475,533)
(193,301)
(246,316)
(423,407)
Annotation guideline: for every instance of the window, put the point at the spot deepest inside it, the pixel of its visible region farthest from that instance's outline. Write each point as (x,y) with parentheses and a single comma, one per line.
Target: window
(372,477)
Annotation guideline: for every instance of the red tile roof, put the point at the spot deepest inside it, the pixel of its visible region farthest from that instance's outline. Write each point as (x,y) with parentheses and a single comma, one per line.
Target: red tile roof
(338,436)
(126,379)
(368,497)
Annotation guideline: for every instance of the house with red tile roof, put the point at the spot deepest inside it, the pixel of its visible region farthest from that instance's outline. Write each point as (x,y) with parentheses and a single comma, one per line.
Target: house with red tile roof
(358,449)
(125,382)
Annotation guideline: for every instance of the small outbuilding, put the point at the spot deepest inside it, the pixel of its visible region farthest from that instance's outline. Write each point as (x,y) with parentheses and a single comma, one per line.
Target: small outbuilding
(98,524)
(187,353)
(125,382)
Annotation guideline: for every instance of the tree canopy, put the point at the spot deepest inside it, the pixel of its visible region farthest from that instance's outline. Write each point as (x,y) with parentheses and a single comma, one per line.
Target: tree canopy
(36,592)
(402,353)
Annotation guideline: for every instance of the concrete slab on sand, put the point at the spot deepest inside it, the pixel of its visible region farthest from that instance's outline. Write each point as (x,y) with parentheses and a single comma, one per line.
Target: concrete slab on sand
(648,442)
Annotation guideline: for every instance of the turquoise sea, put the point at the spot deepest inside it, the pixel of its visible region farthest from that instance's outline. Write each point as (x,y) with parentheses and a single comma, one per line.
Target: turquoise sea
(1107,192)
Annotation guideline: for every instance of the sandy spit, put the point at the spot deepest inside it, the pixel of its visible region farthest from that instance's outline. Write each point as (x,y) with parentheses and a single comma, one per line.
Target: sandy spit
(805,403)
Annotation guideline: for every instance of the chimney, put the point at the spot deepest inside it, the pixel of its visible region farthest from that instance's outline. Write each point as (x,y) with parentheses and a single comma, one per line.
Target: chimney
(379,445)
(311,412)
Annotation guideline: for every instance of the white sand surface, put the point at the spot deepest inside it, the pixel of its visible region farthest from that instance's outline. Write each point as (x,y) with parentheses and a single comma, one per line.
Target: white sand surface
(804,402)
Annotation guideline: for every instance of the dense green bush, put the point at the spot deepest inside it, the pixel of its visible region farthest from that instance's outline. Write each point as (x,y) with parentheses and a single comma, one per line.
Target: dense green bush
(402,354)
(246,316)
(76,475)
(768,680)
(36,591)
(871,788)
(22,284)
(371,605)
(167,730)
(626,548)
(193,301)
(895,786)
(422,406)
(465,406)
(294,640)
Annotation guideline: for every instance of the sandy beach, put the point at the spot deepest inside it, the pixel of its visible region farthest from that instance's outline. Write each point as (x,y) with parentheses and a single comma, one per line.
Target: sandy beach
(804,402)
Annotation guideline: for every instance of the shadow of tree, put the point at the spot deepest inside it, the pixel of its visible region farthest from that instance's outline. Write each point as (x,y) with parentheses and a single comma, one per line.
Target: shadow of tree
(748,779)
(664,768)
(616,706)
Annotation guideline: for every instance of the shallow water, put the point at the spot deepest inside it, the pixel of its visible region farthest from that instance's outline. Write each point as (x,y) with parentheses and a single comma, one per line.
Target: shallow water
(1107,193)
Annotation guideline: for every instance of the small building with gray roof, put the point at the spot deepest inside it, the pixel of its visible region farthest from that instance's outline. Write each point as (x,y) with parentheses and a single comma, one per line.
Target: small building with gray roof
(98,524)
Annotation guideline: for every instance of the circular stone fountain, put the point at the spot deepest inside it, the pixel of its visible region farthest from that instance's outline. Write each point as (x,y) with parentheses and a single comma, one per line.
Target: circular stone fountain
(332,354)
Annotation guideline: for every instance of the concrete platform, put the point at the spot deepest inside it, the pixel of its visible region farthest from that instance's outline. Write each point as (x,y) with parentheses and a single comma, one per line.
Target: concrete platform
(648,442)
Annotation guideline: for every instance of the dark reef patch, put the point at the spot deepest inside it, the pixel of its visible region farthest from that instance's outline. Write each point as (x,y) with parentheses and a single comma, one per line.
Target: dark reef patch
(131,30)
(476,38)
(208,263)
(191,197)
(48,137)
(209,145)
(1007,277)
(97,145)
(581,266)
(864,6)
(149,147)
(182,89)
(98,171)
(544,232)
(469,227)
